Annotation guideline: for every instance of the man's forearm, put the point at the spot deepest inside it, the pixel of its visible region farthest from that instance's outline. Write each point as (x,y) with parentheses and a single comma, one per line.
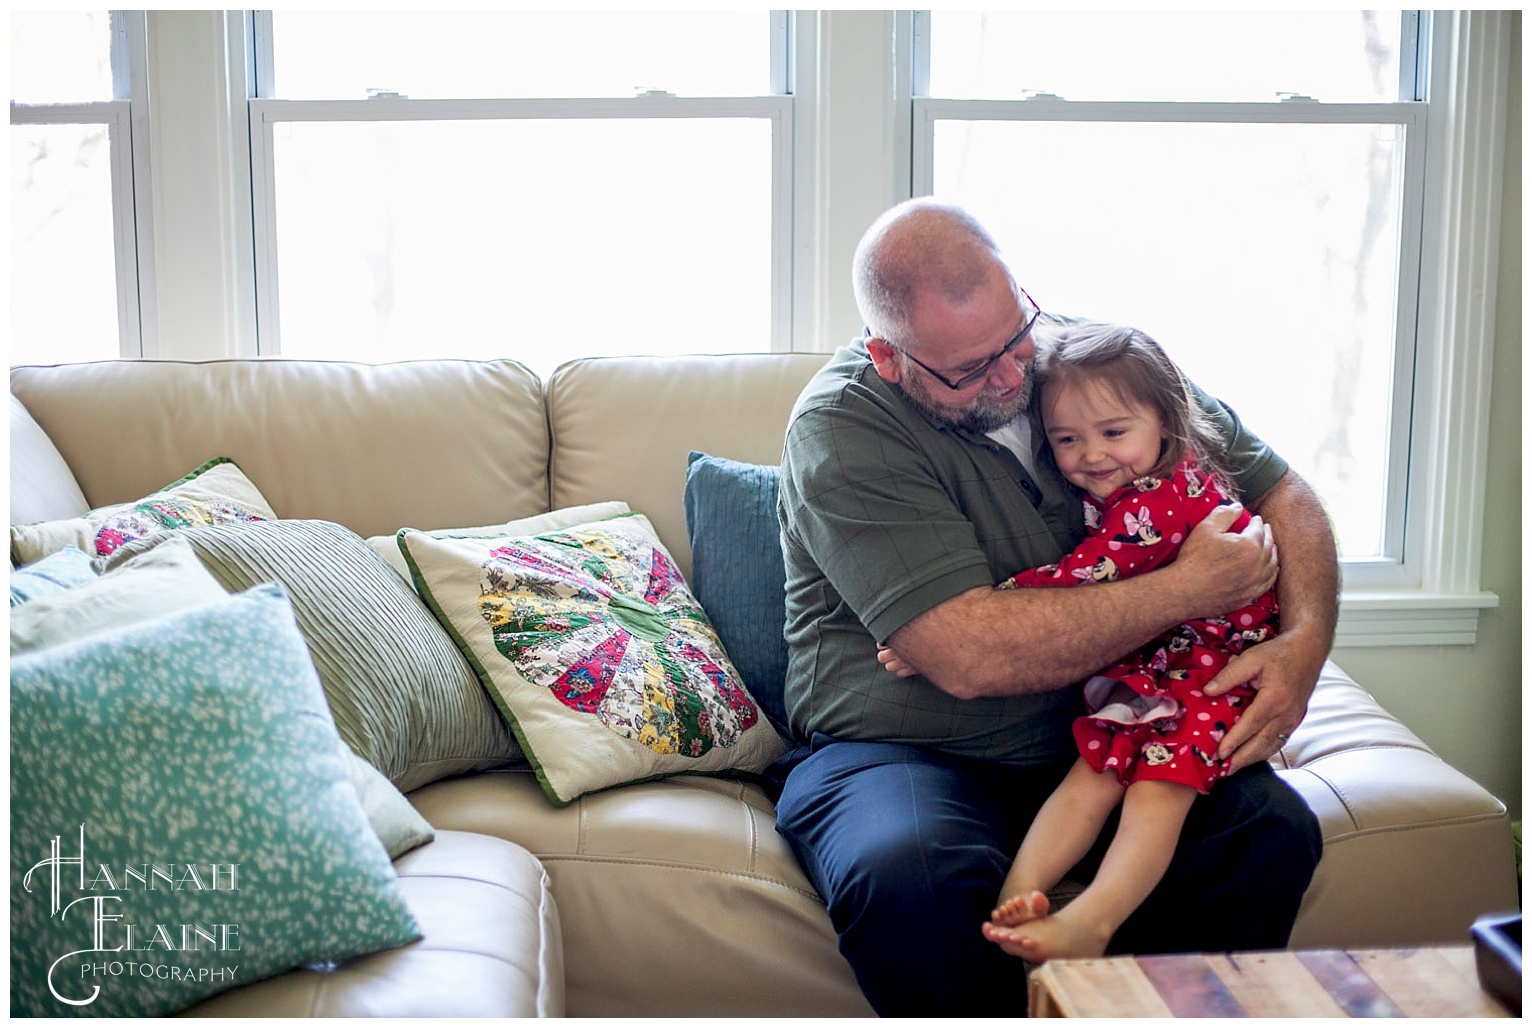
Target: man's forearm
(1309,590)
(1012,642)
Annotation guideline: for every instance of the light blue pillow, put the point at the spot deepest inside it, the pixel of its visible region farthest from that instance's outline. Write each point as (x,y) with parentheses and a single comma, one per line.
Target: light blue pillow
(58,572)
(178,785)
(737,571)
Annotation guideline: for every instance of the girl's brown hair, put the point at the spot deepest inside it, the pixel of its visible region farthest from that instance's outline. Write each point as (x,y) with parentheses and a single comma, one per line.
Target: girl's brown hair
(1136,368)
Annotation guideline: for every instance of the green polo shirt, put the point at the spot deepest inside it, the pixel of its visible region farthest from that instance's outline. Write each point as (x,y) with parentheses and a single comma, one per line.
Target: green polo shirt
(886,514)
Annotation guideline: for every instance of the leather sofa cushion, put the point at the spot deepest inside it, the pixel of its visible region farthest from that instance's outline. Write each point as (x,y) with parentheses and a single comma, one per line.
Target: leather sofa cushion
(677,897)
(491,947)
(717,404)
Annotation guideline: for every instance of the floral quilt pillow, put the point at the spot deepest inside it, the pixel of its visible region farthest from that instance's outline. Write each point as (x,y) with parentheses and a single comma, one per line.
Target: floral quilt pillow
(595,652)
(214,494)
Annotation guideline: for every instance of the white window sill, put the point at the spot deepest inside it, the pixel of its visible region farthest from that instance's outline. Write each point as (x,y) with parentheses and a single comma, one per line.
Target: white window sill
(1410,618)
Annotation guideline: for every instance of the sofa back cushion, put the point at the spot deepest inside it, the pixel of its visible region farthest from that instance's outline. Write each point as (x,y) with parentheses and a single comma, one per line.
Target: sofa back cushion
(624,427)
(374,447)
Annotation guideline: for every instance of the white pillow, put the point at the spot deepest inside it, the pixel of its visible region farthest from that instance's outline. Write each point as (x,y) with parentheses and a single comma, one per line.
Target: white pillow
(42,486)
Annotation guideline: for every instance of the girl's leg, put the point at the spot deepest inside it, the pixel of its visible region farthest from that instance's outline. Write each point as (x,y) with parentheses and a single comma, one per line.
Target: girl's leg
(1064,830)
(1152,815)
(1246,856)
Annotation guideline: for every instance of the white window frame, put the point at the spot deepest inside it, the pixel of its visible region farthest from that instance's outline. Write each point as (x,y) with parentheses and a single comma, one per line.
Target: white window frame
(266,113)
(125,119)
(1427,592)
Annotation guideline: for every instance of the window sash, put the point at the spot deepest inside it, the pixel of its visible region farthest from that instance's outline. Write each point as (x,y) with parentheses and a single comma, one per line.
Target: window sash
(1413,71)
(1462,71)
(266,112)
(126,119)
(1389,570)
(116,115)
(265,115)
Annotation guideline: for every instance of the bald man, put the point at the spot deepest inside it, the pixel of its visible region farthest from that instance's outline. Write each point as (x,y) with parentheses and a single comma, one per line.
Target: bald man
(911,485)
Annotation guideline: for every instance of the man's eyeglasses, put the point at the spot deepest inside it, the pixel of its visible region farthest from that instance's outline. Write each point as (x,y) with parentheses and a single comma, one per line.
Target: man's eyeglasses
(970,377)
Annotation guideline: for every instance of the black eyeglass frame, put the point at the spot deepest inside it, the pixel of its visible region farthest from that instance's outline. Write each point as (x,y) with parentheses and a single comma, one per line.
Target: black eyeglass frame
(963,382)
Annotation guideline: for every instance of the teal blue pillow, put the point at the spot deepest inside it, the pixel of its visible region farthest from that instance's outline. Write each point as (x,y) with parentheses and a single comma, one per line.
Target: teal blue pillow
(737,571)
(58,572)
(181,820)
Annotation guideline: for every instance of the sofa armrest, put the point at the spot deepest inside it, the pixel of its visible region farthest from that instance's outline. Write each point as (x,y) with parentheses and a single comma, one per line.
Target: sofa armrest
(491,947)
(1414,849)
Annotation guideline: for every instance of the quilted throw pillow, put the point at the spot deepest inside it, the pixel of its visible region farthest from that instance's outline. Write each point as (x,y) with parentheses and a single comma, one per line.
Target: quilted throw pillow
(596,653)
(214,494)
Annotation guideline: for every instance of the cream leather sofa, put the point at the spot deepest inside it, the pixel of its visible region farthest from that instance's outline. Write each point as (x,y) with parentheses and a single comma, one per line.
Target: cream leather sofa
(674,897)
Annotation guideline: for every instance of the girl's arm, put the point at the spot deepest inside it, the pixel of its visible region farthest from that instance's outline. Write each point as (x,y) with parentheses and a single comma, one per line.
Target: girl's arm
(1139,532)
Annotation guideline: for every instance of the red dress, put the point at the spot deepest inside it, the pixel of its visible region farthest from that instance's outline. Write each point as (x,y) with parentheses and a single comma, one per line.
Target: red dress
(1148,717)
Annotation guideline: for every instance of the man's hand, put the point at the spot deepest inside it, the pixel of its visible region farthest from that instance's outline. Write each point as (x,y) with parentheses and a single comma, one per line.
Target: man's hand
(1281,698)
(1226,570)
(1284,670)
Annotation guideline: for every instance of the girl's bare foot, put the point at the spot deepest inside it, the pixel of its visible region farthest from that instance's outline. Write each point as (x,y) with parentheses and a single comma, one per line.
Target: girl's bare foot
(1019,909)
(1047,938)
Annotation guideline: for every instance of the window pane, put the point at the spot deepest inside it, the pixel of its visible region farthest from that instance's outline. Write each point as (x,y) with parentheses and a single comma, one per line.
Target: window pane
(1255,56)
(63,277)
(61,56)
(1264,258)
(457,54)
(537,240)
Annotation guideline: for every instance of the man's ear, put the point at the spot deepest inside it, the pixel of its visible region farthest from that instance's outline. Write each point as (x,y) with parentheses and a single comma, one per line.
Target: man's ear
(884,361)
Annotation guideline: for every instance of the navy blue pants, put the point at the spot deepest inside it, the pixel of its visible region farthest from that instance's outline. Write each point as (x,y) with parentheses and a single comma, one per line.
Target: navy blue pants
(909,848)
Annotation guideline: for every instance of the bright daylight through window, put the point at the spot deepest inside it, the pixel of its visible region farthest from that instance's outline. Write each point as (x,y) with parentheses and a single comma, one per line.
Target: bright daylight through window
(65,133)
(534,185)
(1235,184)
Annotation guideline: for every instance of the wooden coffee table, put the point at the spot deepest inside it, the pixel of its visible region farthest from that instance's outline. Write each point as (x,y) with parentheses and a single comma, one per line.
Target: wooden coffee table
(1435,981)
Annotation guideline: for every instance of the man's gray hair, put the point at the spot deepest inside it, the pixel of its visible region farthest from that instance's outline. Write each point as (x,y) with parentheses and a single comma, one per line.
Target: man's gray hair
(920,246)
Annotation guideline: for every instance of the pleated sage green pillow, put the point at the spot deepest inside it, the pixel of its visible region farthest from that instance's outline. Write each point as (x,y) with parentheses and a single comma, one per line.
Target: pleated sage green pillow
(403,697)
(181,820)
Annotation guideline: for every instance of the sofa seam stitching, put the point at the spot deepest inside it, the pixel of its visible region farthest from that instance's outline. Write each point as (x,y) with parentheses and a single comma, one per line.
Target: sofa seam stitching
(693,868)
(450,876)
(1339,796)
(1386,829)
(547,910)
(755,828)
(1421,748)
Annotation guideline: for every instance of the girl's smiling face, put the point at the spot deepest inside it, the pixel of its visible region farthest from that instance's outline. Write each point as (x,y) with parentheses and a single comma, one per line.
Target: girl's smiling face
(1101,439)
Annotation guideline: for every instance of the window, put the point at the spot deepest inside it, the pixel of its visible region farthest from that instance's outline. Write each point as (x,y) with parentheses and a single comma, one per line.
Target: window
(534,185)
(75,268)
(1254,190)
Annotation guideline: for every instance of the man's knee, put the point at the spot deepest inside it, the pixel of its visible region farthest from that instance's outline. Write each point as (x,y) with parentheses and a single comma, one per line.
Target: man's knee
(1247,854)
(1277,826)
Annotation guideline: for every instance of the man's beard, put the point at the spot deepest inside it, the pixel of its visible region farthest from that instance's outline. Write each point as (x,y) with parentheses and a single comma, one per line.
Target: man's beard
(982,414)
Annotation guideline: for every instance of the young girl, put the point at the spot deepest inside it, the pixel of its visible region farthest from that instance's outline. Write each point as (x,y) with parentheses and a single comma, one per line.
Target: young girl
(1122,427)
